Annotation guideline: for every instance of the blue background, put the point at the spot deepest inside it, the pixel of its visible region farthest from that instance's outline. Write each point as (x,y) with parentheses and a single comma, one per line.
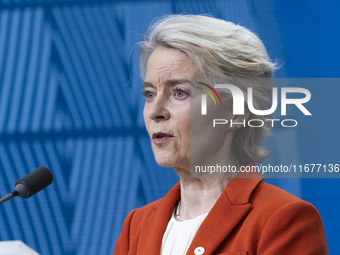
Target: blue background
(70,99)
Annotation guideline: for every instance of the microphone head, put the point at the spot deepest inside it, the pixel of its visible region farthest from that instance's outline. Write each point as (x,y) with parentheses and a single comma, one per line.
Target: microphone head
(34,182)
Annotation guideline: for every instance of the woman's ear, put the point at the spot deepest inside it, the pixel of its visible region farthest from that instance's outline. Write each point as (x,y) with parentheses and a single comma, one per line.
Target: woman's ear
(239,121)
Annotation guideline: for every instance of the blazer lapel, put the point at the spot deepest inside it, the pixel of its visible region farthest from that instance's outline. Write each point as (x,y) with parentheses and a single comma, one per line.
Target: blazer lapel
(231,207)
(152,232)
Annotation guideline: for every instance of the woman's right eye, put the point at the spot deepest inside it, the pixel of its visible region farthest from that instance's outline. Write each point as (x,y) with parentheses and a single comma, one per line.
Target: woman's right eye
(148,94)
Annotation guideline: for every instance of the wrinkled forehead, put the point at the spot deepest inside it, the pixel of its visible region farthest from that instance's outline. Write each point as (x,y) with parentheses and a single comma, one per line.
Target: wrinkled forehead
(167,64)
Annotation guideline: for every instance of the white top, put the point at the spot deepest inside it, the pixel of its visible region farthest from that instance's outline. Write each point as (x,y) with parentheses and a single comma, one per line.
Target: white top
(15,248)
(179,235)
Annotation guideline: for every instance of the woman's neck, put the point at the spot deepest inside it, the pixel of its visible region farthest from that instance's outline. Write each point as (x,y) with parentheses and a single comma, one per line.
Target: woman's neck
(200,193)
(198,196)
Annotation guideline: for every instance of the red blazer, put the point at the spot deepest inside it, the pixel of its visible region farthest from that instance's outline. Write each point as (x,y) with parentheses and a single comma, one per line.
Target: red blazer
(250,217)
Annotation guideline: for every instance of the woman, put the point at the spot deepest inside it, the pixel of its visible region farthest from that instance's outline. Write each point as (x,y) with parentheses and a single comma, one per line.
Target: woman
(226,214)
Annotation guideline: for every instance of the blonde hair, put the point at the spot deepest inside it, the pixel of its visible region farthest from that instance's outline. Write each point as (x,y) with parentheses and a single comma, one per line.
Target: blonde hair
(223,53)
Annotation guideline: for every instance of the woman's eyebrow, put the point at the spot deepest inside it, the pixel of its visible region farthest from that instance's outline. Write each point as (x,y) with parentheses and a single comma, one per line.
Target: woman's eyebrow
(171,83)
(147,84)
(174,82)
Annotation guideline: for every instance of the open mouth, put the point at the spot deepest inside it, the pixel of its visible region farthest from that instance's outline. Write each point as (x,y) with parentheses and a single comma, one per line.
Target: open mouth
(160,137)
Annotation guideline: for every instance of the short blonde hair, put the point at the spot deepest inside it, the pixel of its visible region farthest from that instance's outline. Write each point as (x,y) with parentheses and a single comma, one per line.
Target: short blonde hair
(223,53)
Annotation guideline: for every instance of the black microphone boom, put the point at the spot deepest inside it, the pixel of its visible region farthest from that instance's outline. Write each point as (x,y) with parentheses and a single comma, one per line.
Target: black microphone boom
(31,184)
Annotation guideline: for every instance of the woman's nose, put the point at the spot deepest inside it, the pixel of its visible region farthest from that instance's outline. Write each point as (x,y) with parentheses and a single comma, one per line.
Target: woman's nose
(159,109)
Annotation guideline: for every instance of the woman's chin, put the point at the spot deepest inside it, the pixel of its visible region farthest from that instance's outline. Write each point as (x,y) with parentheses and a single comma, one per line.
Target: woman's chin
(166,162)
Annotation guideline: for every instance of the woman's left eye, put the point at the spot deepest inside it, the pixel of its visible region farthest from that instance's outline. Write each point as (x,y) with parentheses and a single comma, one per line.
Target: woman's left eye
(180,93)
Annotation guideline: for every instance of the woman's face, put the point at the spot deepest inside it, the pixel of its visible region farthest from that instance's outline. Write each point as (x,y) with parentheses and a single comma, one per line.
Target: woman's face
(167,106)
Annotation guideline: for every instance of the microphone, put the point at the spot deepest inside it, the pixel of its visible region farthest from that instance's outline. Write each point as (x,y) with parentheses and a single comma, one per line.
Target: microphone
(30,184)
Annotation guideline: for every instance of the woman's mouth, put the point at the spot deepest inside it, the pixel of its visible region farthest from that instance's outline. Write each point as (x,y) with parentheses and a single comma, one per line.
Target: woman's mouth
(160,137)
